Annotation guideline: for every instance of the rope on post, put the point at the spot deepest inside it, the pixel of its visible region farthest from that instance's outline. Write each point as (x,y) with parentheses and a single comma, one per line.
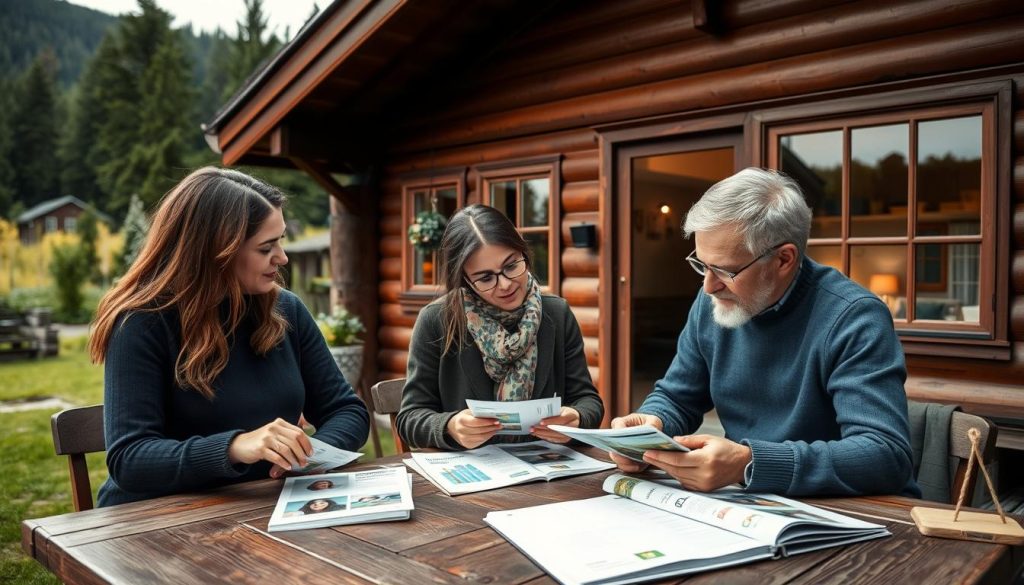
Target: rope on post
(975,436)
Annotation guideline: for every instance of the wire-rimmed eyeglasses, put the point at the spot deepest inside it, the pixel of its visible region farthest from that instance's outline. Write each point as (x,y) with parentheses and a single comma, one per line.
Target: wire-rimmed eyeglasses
(490,280)
(701,268)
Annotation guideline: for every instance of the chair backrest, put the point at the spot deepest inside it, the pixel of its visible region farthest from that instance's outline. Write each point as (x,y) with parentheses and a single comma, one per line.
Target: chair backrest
(960,447)
(77,431)
(387,399)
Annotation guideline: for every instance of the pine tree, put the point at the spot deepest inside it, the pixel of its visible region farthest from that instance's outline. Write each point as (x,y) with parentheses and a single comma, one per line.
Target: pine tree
(78,143)
(250,47)
(34,120)
(6,142)
(88,233)
(135,227)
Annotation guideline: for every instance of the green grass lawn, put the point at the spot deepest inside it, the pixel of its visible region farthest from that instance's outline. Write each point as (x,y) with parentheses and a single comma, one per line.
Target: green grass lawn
(34,481)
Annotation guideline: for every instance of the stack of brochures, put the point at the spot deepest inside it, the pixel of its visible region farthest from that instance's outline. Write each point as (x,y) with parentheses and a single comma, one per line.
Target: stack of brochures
(332,499)
(650,530)
(495,466)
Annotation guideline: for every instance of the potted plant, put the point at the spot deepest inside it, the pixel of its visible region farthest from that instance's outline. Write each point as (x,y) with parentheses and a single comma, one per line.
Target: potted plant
(340,329)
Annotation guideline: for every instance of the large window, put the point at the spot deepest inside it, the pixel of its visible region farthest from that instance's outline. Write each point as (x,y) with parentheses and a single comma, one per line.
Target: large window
(905,204)
(441,193)
(527,193)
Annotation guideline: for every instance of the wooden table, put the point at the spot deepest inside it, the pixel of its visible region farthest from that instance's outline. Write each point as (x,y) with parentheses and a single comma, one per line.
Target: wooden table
(220,536)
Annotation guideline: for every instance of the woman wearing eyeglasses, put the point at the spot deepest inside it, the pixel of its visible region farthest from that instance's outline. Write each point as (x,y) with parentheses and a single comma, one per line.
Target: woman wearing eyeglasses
(492,336)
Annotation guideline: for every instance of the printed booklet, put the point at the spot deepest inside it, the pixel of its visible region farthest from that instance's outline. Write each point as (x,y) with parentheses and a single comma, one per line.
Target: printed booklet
(630,442)
(683,532)
(325,457)
(494,466)
(332,499)
(516,416)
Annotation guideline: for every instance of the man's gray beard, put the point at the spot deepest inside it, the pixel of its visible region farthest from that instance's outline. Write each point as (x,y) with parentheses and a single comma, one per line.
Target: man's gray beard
(739,314)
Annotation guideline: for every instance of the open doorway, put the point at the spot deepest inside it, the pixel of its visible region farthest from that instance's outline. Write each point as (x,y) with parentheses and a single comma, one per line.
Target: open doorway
(658,185)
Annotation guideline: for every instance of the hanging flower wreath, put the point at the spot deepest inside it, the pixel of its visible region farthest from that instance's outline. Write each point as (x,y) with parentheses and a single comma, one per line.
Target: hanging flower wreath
(426,231)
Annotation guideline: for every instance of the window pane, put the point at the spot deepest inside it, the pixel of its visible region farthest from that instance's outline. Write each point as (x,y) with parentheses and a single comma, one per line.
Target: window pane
(420,202)
(538,244)
(883,271)
(826,255)
(815,162)
(949,171)
(948,285)
(878,180)
(424,269)
(535,202)
(447,201)
(503,198)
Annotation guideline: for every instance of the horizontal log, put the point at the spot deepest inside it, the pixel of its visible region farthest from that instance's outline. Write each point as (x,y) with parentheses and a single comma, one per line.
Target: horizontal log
(582,196)
(1018,221)
(598,15)
(391,246)
(845,25)
(554,143)
(1017,317)
(589,319)
(391,268)
(385,375)
(1018,128)
(391,224)
(979,45)
(394,337)
(580,292)
(583,262)
(1018,272)
(581,166)
(590,350)
(595,376)
(392,314)
(389,290)
(392,360)
(1018,177)
(978,397)
(391,203)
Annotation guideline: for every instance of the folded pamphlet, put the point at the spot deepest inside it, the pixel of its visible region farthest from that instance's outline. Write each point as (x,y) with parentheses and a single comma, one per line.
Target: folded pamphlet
(516,416)
(630,442)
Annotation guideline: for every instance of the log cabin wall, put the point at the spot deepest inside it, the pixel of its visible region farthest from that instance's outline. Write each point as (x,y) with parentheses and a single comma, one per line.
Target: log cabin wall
(585,64)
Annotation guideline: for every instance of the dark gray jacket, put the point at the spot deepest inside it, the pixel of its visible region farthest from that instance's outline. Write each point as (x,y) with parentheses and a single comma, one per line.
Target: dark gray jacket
(437,386)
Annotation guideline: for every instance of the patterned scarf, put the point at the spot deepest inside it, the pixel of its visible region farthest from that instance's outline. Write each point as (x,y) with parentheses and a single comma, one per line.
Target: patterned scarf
(507,341)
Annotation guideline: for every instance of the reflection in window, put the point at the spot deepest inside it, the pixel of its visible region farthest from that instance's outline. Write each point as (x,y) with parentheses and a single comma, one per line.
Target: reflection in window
(878,179)
(527,201)
(815,162)
(949,169)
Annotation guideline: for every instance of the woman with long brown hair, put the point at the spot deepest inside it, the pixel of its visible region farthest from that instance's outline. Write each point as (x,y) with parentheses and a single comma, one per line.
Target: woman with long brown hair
(208,361)
(492,336)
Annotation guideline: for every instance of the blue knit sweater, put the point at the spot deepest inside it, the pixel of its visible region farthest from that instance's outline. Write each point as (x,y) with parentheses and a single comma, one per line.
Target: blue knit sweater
(163,439)
(813,385)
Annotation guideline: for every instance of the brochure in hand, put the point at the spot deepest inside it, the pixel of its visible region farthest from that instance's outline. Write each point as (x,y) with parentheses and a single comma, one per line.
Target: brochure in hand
(325,457)
(494,466)
(333,499)
(630,442)
(516,416)
(682,532)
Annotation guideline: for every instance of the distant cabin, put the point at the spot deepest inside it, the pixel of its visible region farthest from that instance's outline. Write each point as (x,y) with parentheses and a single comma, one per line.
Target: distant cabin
(54,215)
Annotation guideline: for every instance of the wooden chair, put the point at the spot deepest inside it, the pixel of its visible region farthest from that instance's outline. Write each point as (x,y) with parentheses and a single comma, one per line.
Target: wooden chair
(77,431)
(960,447)
(387,399)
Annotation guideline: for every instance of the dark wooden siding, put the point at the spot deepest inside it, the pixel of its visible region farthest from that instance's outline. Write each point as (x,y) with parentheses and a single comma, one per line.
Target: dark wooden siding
(591,63)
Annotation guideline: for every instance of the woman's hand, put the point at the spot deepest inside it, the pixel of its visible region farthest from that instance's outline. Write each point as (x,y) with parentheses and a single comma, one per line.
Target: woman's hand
(470,431)
(279,442)
(568,417)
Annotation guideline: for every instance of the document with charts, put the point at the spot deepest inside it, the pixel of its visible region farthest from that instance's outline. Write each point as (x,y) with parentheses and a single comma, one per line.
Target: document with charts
(332,499)
(494,466)
(682,532)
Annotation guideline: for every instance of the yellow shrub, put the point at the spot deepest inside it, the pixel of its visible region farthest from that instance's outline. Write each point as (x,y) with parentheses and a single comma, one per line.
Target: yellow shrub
(27,266)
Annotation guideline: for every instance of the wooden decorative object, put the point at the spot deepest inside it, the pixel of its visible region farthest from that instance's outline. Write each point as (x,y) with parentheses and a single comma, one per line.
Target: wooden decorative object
(979,526)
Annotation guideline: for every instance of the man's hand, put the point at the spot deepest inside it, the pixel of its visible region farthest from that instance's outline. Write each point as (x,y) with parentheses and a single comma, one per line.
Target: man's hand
(568,417)
(633,420)
(279,442)
(470,431)
(714,462)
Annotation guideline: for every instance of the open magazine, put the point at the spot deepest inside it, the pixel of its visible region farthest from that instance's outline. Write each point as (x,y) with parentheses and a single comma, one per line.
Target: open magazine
(494,466)
(682,532)
(332,499)
(630,442)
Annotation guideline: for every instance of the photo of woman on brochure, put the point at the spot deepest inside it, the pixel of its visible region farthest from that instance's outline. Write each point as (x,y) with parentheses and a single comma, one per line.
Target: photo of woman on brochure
(321,505)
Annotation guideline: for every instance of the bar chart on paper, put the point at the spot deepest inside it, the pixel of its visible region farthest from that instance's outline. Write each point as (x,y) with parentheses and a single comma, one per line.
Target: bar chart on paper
(464,474)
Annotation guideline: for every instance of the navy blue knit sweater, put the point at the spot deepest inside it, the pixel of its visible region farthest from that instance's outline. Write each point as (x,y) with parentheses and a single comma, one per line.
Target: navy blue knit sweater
(813,385)
(163,439)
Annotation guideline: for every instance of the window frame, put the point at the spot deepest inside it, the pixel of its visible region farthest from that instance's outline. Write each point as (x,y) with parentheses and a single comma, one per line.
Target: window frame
(521,170)
(415,296)
(988,338)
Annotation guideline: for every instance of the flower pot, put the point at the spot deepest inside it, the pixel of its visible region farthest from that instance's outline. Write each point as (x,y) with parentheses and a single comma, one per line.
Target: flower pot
(350,361)
(428,272)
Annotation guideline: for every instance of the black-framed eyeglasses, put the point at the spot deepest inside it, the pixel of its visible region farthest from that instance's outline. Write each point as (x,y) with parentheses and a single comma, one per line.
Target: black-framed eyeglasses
(701,268)
(490,280)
